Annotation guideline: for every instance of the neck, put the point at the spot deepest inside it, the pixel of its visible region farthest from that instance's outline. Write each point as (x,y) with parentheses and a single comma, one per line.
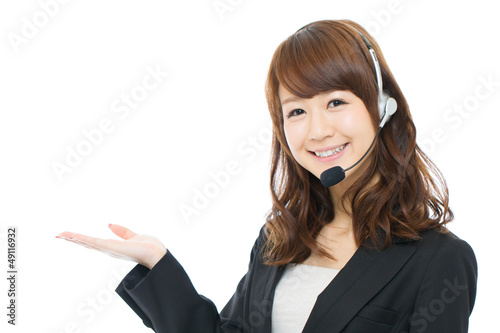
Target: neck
(343,216)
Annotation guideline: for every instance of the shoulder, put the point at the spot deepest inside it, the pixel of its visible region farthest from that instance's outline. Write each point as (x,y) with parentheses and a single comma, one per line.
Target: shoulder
(439,244)
(444,243)
(447,271)
(442,253)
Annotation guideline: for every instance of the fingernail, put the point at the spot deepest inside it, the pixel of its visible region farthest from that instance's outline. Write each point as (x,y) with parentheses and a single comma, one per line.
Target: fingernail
(57,236)
(109,225)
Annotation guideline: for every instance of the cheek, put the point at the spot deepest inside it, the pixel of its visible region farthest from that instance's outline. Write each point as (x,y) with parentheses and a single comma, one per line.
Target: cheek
(295,137)
(348,125)
(357,124)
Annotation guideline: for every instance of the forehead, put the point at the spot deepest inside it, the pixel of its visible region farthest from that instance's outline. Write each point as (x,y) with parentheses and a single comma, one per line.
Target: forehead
(286,96)
(283,92)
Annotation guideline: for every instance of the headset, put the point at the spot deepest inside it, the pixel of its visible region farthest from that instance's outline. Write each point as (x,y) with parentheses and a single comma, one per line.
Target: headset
(387,106)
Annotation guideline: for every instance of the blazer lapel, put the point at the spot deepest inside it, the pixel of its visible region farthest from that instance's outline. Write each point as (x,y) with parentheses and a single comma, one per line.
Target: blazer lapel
(262,297)
(368,271)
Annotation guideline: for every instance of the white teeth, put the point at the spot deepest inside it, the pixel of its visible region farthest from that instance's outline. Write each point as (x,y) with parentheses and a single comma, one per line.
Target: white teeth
(330,152)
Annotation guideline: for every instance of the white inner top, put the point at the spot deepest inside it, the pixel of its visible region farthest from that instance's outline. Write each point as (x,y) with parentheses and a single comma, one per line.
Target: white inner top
(296,294)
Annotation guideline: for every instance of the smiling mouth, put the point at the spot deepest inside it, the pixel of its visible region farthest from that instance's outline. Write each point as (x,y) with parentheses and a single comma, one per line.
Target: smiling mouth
(330,152)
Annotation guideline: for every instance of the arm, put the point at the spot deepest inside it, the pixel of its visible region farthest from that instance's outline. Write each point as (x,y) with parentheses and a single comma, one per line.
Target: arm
(165,299)
(159,290)
(448,290)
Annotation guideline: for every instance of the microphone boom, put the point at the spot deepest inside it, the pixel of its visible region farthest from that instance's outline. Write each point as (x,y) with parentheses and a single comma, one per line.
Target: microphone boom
(336,174)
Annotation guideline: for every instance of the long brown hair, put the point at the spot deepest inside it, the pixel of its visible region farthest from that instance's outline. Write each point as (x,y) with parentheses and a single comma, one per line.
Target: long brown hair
(405,200)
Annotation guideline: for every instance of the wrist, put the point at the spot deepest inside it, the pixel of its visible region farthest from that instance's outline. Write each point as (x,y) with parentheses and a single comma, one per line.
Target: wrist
(156,258)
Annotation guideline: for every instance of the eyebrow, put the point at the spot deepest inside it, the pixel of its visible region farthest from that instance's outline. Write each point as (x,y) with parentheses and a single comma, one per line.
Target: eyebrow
(290,99)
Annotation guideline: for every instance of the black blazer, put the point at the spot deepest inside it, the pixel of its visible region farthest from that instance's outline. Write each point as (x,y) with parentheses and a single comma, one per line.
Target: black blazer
(412,287)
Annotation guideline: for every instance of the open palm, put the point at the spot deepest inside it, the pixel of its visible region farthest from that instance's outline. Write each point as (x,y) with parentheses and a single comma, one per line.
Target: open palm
(143,249)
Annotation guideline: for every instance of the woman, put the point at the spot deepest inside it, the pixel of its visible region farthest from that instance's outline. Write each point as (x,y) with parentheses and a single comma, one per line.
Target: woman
(368,253)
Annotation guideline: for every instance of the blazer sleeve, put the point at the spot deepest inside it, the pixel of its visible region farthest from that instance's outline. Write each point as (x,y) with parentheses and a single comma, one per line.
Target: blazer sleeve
(166,300)
(448,290)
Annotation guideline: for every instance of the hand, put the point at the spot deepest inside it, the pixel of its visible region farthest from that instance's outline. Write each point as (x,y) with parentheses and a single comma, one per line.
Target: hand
(145,250)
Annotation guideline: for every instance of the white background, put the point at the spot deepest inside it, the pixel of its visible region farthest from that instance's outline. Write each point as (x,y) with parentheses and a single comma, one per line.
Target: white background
(68,73)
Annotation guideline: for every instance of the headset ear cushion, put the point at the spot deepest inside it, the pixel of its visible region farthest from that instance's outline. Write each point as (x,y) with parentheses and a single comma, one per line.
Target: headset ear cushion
(382,103)
(387,107)
(391,106)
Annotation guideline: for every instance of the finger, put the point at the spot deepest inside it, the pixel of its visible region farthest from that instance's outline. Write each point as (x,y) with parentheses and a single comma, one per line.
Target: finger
(114,248)
(121,231)
(79,243)
(128,249)
(65,234)
(93,242)
(107,246)
(105,249)
(108,252)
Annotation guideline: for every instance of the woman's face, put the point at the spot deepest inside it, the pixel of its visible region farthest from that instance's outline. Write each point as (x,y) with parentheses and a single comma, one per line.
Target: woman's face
(334,125)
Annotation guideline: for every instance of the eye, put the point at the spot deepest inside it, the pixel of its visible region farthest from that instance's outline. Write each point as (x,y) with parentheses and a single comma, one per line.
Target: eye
(296,112)
(336,102)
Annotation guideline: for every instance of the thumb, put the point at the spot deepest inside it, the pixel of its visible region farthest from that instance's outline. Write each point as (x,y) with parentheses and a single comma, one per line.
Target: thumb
(121,231)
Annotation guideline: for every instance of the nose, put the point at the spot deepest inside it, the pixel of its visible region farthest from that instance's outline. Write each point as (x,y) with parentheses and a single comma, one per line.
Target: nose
(319,126)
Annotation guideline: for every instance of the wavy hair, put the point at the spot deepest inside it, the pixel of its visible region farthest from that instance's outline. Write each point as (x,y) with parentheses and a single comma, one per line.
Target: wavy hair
(409,195)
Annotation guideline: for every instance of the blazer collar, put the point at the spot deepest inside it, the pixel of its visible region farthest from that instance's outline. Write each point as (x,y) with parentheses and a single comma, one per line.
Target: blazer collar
(364,275)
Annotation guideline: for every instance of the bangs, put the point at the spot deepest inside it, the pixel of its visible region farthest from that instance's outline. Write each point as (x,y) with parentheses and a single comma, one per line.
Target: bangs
(317,60)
